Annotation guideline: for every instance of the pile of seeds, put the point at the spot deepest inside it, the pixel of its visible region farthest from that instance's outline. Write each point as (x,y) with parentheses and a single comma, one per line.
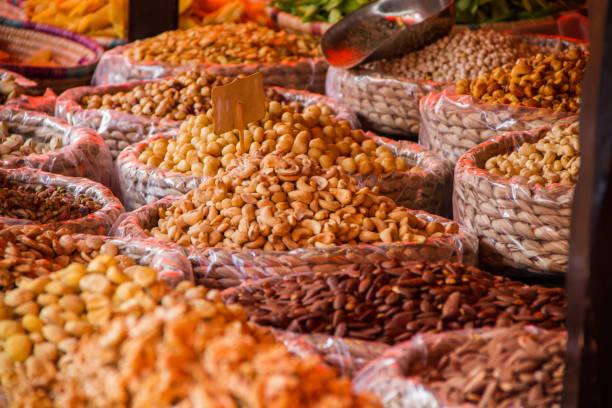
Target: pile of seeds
(43,204)
(552,82)
(199,151)
(228,43)
(188,93)
(15,145)
(553,159)
(461,54)
(30,251)
(391,303)
(280,203)
(517,368)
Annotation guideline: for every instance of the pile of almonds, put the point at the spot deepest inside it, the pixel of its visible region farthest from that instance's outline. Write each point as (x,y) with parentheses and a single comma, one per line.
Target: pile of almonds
(189,93)
(555,158)
(41,203)
(15,145)
(227,43)
(514,368)
(199,151)
(276,202)
(391,303)
(552,82)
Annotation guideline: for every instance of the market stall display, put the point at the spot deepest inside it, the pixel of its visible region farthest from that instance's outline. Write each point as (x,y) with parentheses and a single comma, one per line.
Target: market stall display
(385,94)
(288,60)
(35,197)
(526,95)
(35,140)
(496,368)
(174,163)
(515,192)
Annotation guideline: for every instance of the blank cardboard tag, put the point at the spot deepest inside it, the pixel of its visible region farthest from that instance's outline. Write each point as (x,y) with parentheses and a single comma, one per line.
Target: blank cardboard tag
(247,92)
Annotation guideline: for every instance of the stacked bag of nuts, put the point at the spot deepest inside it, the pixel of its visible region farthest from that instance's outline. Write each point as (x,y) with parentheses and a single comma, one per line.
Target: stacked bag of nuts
(228,49)
(175,163)
(282,203)
(526,95)
(104,333)
(127,113)
(385,94)
(35,140)
(509,367)
(31,251)
(38,198)
(515,192)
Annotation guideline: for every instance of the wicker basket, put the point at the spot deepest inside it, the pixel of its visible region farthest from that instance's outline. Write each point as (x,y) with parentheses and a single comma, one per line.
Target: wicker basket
(77,54)
(390,104)
(305,74)
(83,154)
(98,222)
(222,268)
(451,124)
(291,23)
(519,226)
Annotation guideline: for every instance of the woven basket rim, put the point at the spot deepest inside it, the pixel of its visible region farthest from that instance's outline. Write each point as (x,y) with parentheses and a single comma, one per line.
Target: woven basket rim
(82,69)
(467,163)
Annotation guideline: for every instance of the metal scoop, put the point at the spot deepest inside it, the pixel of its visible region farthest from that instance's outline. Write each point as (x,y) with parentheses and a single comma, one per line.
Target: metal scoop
(385,29)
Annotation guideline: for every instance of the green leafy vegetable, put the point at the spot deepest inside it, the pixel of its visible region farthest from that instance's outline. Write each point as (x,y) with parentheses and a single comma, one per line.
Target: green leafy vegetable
(491,11)
(320,10)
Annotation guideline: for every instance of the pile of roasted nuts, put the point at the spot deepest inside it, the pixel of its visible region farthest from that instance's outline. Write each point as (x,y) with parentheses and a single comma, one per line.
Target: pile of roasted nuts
(461,54)
(518,367)
(43,204)
(49,357)
(551,82)
(16,145)
(275,202)
(553,159)
(9,89)
(188,93)
(30,251)
(199,151)
(391,303)
(228,43)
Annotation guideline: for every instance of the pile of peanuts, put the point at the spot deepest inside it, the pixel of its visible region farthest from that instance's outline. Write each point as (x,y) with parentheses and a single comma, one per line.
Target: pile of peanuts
(223,359)
(9,89)
(15,145)
(553,159)
(188,93)
(30,251)
(461,54)
(551,82)
(228,43)
(199,151)
(282,203)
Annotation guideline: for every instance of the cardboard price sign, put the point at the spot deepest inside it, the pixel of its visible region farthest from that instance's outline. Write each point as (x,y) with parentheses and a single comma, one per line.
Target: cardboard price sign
(238,103)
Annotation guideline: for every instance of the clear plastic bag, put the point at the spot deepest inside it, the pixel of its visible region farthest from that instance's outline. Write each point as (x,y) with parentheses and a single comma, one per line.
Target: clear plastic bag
(34,96)
(451,124)
(519,225)
(222,268)
(116,68)
(99,222)
(391,379)
(428,189)
(83,154)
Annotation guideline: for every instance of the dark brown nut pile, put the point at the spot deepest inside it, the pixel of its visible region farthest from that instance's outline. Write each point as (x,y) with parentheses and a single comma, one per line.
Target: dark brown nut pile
(519,368)
(30,251)
(43,204)
(551,82)
(461,54)
(198,151)
(391,303)
(553,159)
(280,203)
(228,43)
(9,89)
(175,98)
(207,354)
(16,145)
